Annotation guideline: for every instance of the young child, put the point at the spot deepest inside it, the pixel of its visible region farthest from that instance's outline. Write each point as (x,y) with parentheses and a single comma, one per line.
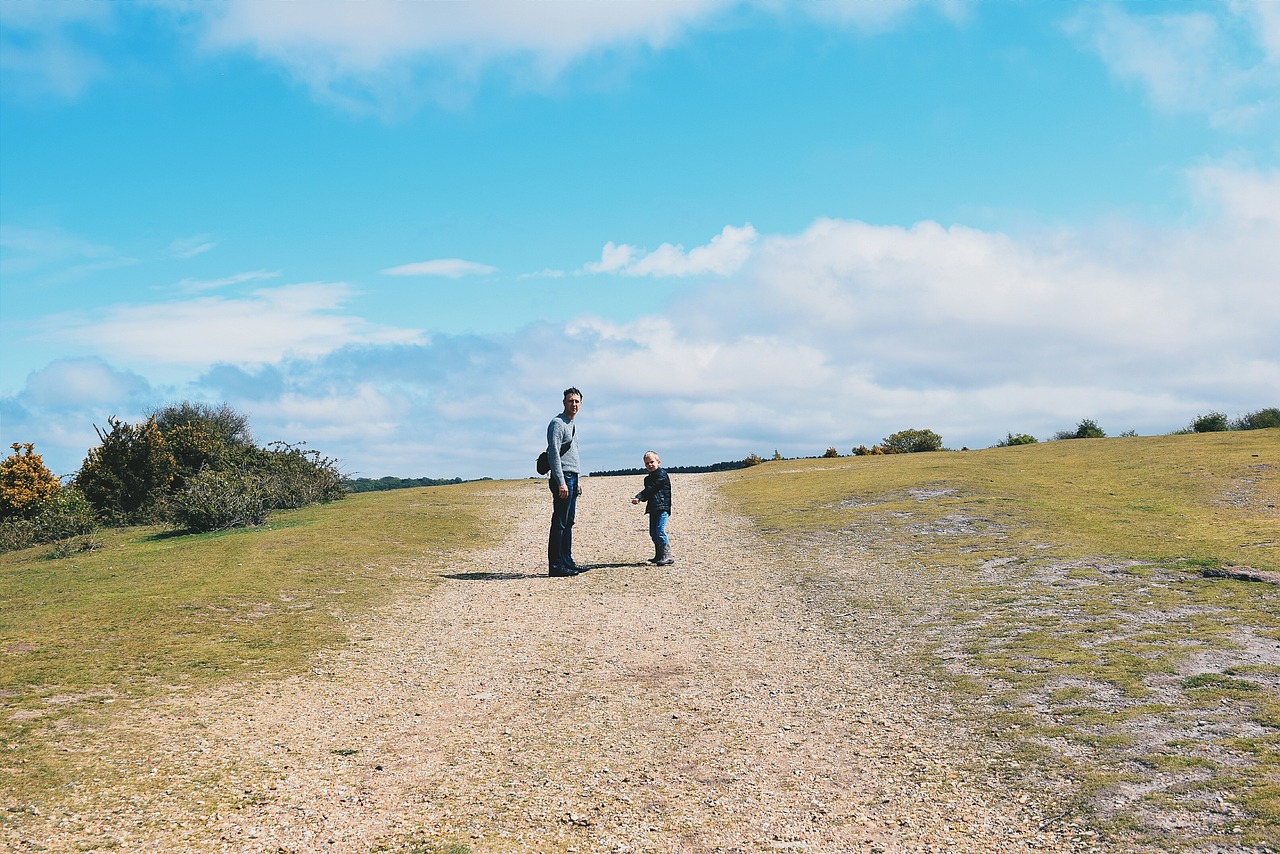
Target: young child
(657,495)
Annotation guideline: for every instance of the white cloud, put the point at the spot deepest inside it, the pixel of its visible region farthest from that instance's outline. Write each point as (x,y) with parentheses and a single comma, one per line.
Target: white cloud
(612,259)
(373,34)
(43,50)
(723,256)
(453,268)
(81,383)
(190,247)
(198,285)
(1222,60)
(546,273)
(875,16)
(328,418)
(58,255)
(387,55)
(1243,197)
(268,325)
(838,335)
(390,57)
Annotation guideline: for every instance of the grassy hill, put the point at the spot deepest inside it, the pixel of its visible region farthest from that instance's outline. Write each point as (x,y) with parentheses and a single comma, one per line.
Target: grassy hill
(1071,596)
(1057,591)
(152,612)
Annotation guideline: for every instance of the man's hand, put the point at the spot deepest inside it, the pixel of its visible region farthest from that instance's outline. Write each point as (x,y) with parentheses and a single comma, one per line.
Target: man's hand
(564,490)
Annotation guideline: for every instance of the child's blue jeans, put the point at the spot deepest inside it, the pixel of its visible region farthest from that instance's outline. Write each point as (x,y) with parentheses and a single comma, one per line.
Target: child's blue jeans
(658,528)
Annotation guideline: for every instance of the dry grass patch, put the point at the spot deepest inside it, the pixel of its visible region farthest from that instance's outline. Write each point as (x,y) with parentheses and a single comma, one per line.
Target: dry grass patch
(151,612)
(1058,589)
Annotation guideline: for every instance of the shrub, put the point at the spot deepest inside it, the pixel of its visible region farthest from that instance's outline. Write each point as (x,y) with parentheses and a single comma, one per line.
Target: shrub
(911,442)
(1086,429)
(752,460)
(60,519)
(864,451)
(296,477)
(195,448)
(200,436)
(127,477)
(217,500)
(831,453)
(221,423)
(25,483)
(1011,440)
(1214,422)
(1260,420)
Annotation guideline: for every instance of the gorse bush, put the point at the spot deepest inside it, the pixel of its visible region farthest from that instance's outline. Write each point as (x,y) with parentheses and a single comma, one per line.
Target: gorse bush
(1012,439)
(1086,429)
(128,476)
(830,453)
(222,424)
(25,483)
(202,436)
(60,519)
(1260,420)
(195,466)
(194,449)
(1214,422)
(911,442)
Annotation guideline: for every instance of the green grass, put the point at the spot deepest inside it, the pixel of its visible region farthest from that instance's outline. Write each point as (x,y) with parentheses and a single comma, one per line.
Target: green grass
(1081,498)
(151,612)
(1057,588)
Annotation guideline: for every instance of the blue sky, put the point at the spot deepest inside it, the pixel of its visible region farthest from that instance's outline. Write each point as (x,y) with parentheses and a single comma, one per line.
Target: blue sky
(396,231)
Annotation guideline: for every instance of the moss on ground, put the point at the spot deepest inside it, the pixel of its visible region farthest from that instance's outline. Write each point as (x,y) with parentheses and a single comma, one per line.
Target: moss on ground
(1058,589)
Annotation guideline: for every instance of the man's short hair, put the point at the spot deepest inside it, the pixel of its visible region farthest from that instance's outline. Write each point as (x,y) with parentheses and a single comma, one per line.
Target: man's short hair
(571,390)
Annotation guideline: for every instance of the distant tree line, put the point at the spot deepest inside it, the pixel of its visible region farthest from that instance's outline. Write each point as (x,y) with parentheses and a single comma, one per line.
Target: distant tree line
(382,484)
(913,441)
(193,466)
(725,466)
(1217,422)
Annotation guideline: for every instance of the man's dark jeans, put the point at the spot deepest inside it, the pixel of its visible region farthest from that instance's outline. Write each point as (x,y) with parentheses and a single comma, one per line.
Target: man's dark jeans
(560,540)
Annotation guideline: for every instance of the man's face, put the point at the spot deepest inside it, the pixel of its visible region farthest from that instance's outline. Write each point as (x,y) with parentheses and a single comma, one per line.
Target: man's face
(572,403)
(651,462)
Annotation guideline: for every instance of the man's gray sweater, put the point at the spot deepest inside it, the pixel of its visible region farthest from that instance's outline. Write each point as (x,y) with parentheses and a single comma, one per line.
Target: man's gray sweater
(560,431)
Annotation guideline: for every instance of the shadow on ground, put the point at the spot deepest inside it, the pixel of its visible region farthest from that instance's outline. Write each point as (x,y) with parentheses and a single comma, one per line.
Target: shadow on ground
(514,576)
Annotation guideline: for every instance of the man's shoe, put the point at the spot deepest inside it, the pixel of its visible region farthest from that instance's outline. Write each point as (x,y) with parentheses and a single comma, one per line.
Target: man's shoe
(561,572)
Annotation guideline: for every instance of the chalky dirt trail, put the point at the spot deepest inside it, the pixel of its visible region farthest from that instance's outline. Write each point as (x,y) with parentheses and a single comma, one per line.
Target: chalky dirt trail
(697,708)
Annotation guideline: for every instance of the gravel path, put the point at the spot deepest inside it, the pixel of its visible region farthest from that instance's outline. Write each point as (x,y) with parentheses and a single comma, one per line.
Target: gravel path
(700,707)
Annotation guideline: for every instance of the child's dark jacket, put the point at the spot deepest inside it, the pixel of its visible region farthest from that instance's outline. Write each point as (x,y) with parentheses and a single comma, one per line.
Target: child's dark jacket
(656,492)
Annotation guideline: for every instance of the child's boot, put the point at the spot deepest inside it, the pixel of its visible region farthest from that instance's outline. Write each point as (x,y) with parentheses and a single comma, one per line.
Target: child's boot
(657,553)
(664,557)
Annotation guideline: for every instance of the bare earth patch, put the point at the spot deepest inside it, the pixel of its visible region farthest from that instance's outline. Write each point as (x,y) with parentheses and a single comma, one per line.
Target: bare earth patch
(700,707)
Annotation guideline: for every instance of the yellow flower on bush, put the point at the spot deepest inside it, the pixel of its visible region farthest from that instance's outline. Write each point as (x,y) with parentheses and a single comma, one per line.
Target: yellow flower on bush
(25,482)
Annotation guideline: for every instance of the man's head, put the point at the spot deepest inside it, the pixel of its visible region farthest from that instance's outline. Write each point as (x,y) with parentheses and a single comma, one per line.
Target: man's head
(651,461)
(572,402)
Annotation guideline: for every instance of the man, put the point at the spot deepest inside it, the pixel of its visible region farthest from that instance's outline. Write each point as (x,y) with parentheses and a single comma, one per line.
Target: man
(562,454)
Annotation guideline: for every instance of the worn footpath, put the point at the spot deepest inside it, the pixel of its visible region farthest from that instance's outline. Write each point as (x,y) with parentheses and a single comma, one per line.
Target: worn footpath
(701,707)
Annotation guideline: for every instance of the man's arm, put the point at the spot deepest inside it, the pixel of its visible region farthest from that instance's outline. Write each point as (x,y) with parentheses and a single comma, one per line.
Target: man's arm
(554,434)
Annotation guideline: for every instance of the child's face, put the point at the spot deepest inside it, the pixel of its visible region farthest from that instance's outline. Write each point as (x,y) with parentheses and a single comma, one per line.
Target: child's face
(651,462)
